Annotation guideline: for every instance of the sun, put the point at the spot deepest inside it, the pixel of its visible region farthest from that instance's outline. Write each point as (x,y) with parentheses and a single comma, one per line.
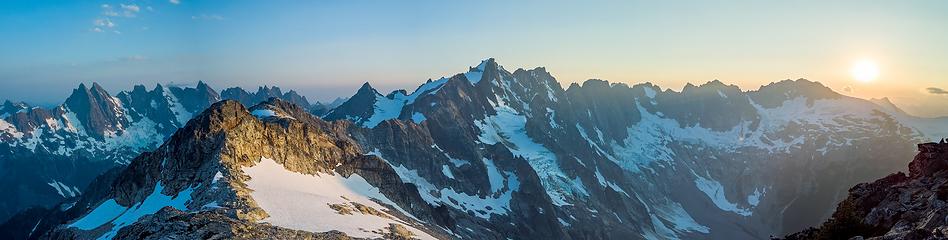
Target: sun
(865,70)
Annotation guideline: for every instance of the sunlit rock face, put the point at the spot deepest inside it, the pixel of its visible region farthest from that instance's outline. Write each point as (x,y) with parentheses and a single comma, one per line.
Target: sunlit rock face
(491,153)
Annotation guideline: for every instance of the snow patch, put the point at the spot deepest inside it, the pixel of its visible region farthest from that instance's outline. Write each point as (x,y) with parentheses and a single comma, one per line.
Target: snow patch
(648,140)
(180,113)
(447,171)
(649,92)
(140,135)
(8,128)
(62,189)
(508,128)
(454,161)
(299,201)
(263,113)
(120,216)
(475,75)
(679,218)
(606,183)
(563,222)
(496,203)
(715,191)
(493,174)
(418,117)
(754,198)
(385,109)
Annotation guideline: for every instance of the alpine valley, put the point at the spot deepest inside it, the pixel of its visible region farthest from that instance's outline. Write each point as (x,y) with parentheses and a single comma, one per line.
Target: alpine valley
(485,154)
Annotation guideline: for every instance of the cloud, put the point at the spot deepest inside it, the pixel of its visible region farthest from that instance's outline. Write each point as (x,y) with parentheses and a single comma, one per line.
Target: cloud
(134,58)
(103,22)
(131,7)
(128,11)
(936,91)
(107,10)
(214,17)
(175,2)
(109,13)
(848,89)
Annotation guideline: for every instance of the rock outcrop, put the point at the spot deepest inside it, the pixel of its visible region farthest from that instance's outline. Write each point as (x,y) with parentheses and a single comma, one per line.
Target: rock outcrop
(899,206)
(170,223)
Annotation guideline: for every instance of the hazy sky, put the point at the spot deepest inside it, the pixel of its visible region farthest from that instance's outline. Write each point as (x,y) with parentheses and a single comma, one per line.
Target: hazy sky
(326,49)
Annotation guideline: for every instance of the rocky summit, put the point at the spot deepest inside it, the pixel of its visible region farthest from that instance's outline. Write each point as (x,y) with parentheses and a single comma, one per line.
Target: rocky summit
(485,154)
(898,206)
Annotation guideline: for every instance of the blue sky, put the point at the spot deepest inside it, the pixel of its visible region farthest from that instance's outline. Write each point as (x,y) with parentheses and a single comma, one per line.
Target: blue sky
(328,48)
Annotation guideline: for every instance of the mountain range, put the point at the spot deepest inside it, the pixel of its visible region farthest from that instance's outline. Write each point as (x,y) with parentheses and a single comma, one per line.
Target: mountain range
(50,155)
(484,154)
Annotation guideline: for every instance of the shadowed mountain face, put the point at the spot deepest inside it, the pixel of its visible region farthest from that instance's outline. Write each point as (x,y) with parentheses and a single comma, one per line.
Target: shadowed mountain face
(491,153)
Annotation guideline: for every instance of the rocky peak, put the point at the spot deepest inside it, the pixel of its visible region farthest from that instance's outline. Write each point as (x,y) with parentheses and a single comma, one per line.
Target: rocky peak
(197,98)
(139,89)
(220,139)
(239,94)
(96,109)
(234,93)
(597,103)
(336,102)
(98,91)
(775,93)
(648,89)
(158,88)
(206,92)
(932,158)
(7,104)
(201,86)
(596,84)
(887,105)
(712,105)
(10,108)
(714,90)
(572,87)
(482,66)
(396,93)
(715,85)
(359,107)
(366,89)
(263,94)
(206,161)
(294,97)
(78,94)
